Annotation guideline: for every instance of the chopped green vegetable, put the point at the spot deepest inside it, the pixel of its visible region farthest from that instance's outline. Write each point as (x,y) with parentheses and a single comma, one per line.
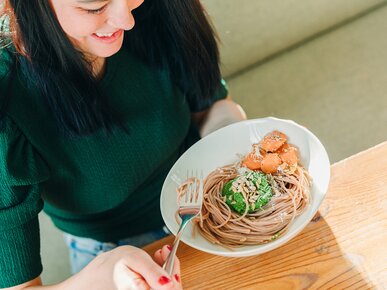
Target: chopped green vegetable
(274,237)
(256,188)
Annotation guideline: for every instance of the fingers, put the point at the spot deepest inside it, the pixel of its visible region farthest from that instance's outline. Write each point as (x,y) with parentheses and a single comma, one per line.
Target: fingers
(157,278)
(162,255)
(159,255)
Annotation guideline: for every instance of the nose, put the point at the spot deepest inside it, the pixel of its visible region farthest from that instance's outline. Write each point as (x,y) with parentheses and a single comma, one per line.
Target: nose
(122,20)
(121,14)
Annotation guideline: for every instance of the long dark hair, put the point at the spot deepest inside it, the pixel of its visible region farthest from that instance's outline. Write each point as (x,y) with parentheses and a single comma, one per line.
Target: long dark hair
(169,34)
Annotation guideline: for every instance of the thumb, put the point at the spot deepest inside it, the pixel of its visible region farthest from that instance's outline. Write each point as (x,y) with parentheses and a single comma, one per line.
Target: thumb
(126,279)
(153,274)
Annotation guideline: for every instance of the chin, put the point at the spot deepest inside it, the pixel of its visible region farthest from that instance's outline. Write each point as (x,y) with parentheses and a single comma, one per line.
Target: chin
(108,52)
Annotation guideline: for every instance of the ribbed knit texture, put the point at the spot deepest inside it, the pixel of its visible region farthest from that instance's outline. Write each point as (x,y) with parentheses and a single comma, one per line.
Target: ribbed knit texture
(98,186)
(20,254)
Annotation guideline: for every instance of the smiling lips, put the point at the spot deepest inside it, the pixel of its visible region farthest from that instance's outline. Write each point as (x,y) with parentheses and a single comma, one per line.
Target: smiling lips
(107,37)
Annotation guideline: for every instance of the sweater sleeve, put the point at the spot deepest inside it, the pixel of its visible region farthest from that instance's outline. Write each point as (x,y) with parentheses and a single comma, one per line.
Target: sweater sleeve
(22,170)
(220,94)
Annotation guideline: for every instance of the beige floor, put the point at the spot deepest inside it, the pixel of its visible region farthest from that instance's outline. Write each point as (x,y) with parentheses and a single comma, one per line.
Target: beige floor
(336,85)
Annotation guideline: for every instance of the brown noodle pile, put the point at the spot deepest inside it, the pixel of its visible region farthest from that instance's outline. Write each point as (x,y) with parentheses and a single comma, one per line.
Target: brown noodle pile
(220,225)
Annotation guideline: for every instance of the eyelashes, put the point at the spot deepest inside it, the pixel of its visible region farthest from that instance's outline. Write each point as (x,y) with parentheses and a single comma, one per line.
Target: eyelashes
(96,11)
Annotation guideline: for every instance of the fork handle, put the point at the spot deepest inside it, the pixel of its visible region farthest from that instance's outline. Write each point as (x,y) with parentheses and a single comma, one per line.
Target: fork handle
(168,265)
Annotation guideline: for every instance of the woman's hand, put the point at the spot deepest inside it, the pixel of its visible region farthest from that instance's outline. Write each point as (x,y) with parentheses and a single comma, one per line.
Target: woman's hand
(126,268)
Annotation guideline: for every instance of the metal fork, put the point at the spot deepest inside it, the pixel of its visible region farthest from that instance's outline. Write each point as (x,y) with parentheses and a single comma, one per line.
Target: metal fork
(188,209)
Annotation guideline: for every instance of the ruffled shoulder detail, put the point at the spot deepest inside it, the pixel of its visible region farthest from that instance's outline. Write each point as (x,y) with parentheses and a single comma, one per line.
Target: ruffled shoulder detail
(20,163)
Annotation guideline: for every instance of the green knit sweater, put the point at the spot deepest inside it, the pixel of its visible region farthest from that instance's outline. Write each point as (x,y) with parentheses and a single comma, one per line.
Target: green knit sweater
(101,187)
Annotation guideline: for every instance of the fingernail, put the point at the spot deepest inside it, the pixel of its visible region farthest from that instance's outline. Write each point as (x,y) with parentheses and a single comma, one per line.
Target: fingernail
(164,280)
(177,278)
(169,247)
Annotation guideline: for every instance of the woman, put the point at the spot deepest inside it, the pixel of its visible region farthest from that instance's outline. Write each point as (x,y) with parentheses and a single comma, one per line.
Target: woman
(94,112)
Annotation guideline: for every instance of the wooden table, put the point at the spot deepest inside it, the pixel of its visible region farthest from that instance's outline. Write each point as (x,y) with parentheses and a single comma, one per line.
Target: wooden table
(343,247)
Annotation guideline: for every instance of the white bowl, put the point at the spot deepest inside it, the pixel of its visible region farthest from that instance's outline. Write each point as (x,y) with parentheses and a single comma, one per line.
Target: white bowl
(221,148)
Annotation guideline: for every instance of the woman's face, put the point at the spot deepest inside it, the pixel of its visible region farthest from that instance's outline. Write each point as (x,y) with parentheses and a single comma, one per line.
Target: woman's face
(96,26)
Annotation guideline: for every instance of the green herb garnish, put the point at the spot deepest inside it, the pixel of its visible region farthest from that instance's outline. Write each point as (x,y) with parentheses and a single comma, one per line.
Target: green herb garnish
(254,186)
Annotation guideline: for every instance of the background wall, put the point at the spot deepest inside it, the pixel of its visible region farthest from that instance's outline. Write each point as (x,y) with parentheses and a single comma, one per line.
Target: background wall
(335,85)
(254,30)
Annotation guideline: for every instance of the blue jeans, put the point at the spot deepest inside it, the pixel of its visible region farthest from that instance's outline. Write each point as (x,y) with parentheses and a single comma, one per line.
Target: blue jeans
(83,250)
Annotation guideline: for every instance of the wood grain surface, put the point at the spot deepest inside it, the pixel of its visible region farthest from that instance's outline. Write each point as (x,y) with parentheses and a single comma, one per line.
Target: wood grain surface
(343,247)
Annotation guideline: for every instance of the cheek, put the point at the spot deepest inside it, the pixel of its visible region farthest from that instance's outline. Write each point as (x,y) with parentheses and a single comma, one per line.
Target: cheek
(79,25)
